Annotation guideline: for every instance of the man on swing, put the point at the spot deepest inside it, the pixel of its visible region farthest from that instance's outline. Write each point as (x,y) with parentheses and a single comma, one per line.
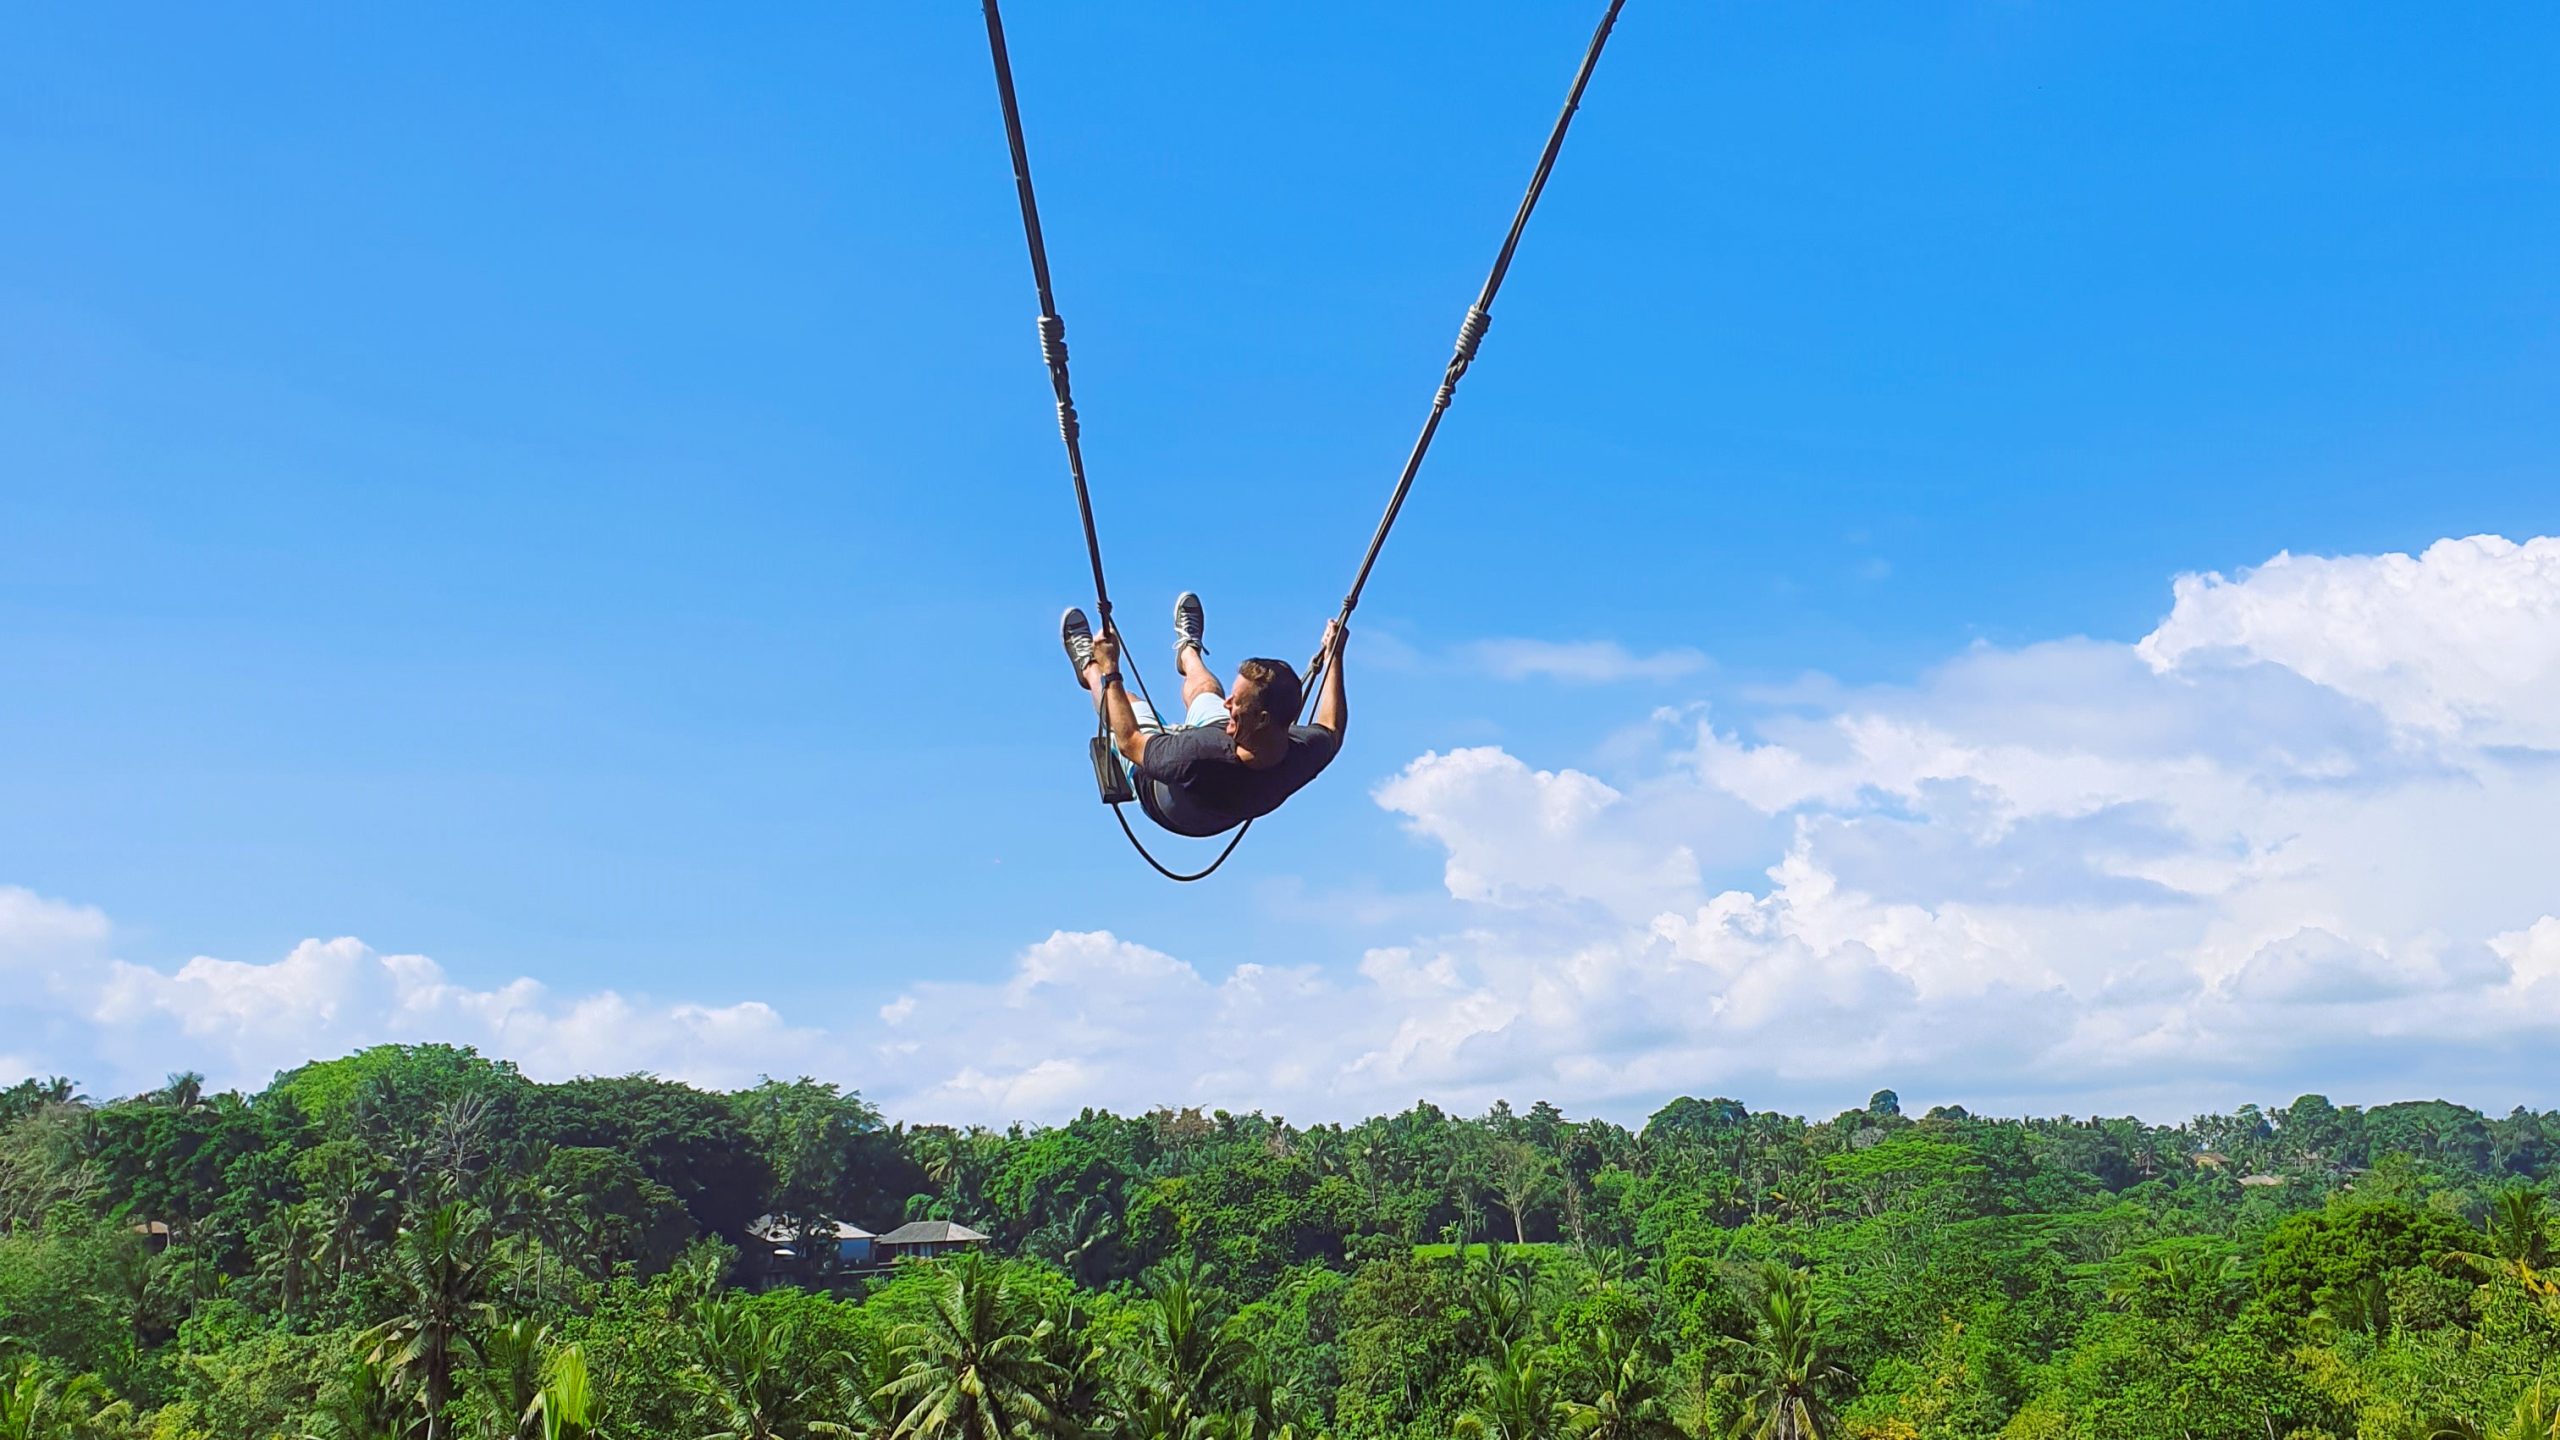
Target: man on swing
(1234,757)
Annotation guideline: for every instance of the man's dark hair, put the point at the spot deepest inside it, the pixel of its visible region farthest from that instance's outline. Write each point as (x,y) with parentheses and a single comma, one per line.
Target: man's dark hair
(1276,695)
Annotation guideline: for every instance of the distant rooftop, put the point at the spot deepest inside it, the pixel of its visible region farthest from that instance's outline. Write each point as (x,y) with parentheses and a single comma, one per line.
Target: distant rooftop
(772,1231)
(931,1232)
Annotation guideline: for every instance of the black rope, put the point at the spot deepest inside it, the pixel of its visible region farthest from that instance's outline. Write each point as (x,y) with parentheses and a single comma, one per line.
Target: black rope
(1053,330)
(1053,352)
(1172,874)
(1471,331)
(1117,813)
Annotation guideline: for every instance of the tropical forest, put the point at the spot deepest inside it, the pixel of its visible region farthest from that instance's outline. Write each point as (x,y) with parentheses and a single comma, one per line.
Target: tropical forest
(416,1242)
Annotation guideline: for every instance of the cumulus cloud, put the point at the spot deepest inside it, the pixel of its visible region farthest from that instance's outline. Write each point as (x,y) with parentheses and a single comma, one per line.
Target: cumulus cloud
(1086,1018)
(123,1024)
(1514,834)
(2462,642)
(2292,838)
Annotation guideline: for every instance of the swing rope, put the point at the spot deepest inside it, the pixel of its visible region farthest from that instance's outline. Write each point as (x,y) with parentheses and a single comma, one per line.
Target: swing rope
(1053,352)
(1471,329)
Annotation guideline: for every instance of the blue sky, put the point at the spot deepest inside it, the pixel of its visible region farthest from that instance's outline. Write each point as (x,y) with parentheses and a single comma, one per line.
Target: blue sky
(572,494)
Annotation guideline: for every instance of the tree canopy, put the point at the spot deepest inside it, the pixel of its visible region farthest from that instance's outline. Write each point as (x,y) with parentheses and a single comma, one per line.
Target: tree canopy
(415,1242)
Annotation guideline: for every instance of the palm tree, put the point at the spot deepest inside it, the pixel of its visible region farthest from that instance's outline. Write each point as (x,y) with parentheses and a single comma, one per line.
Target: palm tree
(44,1167)
(2165,1281)
(1613,1267)
(184,1091)
(445,1268)
(1502,1286)
(362,1402)
(1161,1415)
(285,1242)
(1786,1361)
(509,1378)
(1626,1401)
(1515,1400)
(1185,1350)
(2516,1243)
(544,1218)
(1262,1401)
(1373,1165)
(353,1198)
(1079,1241)
(1086,1366)
(2359,1307)
(1323,1147)
(746,1366)
(967,1371)
(958,1161)
(854,1378)
(34,1405)
(936,1150)
(565,1408)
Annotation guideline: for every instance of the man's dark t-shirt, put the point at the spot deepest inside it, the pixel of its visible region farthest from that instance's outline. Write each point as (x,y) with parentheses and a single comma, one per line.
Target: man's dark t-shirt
(1191,782)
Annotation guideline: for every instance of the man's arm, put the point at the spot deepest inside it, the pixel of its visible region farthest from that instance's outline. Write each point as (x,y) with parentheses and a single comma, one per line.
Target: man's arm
(1116,712)
(1333,712)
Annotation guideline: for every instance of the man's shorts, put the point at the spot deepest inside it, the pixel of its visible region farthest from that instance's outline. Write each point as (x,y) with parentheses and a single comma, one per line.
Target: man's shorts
(1209,709)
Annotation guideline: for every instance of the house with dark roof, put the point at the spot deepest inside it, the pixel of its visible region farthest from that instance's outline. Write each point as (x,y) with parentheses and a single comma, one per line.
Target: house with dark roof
(783,1255)
(851,1243)
(925,1239)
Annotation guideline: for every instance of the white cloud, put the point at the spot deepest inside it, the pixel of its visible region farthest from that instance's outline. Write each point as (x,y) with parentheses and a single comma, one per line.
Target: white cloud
(122,1025)
(1579,662)
(2294,838)
(1514,834)
(37,933)
(1087,1018)
(2461,642)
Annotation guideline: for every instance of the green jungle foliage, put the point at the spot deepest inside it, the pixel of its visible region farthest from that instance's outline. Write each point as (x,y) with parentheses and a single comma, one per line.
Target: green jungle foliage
(416,1243)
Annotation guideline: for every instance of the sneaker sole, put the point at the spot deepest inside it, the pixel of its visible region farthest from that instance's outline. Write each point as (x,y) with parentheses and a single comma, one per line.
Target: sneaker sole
(1180,639)
(1072,662)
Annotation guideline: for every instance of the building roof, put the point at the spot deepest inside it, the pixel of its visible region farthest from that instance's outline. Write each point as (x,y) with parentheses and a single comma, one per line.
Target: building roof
(931,1232)
(772,1231)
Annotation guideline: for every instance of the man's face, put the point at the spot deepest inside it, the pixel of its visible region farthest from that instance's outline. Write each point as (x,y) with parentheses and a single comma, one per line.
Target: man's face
(1239,699)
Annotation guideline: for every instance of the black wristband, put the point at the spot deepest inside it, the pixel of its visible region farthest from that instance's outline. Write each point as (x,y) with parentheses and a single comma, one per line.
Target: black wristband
(1112,678)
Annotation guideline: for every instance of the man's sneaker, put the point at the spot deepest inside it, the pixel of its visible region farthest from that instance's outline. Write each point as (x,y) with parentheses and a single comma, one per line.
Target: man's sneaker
(1189,624)
(1077,634)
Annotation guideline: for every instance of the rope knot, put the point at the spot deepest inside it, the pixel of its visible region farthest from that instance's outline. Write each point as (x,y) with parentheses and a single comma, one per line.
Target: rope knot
(1069,429)
(1471,333)
(1053,341)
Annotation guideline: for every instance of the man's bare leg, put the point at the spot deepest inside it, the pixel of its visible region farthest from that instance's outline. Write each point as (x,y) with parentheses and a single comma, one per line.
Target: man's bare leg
(1188,624)
(1196,678)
